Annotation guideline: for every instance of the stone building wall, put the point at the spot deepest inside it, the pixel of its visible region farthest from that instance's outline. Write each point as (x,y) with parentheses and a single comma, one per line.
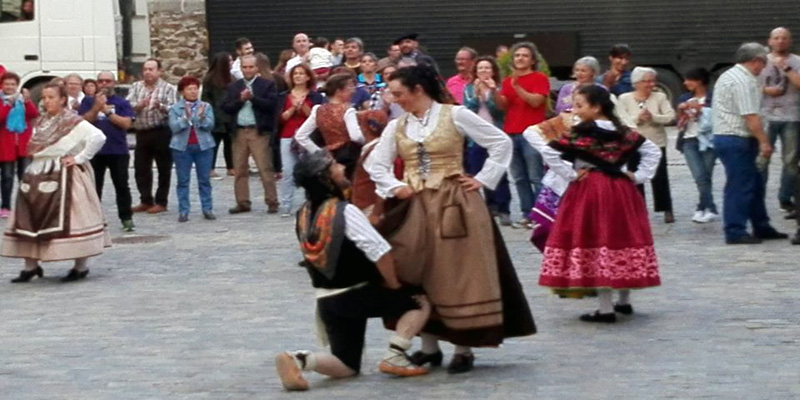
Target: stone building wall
(179,37)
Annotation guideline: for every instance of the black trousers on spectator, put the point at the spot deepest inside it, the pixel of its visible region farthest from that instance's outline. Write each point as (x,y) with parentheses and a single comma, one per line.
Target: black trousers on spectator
(153,145)
(117,165)
(223,138)
(662,197)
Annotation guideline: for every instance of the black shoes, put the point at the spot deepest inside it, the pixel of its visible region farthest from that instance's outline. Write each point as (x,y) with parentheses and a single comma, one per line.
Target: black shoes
(420,358)
(25,275)
(609,318)
(669,218)
(771,234)
(461,363)
(625,309)
(744,240)
(209,216)
(75,275)
(183,217)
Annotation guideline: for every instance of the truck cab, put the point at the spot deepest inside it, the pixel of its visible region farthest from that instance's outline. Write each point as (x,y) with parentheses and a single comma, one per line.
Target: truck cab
(42,39)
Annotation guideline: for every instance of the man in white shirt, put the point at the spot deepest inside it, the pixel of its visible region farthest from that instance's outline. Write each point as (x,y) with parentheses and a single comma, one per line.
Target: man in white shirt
(243,48)
(74,84)
(353,272)
(301,46)
(739,138)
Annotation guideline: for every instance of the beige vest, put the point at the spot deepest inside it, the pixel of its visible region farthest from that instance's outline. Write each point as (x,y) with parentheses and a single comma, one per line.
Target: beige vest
(438,157)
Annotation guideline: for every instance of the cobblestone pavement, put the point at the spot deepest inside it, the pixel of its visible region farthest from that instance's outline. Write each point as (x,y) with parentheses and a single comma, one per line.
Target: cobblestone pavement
(200,315)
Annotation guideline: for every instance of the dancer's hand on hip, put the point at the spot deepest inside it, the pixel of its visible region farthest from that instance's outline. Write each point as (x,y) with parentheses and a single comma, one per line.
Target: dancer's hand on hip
(469,183)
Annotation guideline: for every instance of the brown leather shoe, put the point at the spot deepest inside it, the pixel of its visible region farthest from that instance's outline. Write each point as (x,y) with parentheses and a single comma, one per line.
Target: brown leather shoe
(239,209)
(272,209)
(157,209)
(142,208)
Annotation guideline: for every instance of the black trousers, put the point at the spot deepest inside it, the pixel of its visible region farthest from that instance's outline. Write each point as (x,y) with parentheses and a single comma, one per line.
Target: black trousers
(7,170)
(662,197)
(345,316)
(223,138)
(117,166)
(153,145)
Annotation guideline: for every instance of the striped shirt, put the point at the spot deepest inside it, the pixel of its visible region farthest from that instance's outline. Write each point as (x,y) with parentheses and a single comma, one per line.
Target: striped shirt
(736,94)
(152,116)
(358,229)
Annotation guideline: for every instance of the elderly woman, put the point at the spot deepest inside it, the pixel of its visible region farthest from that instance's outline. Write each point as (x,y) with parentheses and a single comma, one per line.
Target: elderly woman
(17,114)
(585,70)
(58,215)
(191,122)
(649,111)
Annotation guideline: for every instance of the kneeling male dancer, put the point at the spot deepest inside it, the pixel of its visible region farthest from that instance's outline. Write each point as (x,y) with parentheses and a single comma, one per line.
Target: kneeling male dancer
(353,272)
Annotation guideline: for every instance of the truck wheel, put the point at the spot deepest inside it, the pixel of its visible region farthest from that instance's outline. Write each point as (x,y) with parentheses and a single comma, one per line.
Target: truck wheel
(670,84)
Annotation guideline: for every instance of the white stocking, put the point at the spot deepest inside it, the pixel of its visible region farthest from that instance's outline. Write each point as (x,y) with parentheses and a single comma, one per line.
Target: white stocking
(604,296)
(430,343)
(624,297)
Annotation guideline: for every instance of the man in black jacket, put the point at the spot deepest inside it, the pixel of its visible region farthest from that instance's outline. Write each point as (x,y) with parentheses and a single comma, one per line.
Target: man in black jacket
(251,102)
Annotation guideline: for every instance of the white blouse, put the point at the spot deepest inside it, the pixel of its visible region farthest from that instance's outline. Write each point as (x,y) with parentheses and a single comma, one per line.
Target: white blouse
(83,142)
(303,135)
(649,151)
(380,163)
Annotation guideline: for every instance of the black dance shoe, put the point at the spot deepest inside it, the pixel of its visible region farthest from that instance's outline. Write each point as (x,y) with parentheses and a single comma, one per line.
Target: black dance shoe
(626,309)
(420,358)
(461,363)
(747,239)
(609,318)
(26,275)
(75,275)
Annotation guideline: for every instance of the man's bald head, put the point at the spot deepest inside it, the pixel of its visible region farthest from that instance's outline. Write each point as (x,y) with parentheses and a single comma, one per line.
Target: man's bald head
(780,41)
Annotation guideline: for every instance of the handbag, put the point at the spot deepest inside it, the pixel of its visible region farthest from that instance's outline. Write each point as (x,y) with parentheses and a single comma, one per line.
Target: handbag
(16,118)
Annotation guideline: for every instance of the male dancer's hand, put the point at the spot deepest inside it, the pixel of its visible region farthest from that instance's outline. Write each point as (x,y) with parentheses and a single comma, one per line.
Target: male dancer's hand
(403,193)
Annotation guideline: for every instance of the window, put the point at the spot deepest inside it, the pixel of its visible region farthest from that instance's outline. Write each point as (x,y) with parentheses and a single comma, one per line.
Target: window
(16,10)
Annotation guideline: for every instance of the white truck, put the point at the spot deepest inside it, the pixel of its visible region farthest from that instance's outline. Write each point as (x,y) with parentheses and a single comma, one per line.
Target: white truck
(42,39)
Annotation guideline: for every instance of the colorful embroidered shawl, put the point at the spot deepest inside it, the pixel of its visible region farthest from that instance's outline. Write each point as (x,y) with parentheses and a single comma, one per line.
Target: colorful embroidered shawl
(608,150)
(50,129)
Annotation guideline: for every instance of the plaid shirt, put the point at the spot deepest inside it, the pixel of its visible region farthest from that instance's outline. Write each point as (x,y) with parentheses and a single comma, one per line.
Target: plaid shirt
(151,116)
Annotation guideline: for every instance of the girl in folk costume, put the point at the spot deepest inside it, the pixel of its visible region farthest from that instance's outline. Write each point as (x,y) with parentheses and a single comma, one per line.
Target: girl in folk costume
(372,123)
(601,238)
(58,215)
(447,242)
(337,124)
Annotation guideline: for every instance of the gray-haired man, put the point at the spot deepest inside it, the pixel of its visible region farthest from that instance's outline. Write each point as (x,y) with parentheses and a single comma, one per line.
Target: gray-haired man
(739,139)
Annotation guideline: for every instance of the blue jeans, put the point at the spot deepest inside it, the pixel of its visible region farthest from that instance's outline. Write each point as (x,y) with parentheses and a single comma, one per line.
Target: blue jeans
(789,133)
(498,200)
(202,160)
(744,192)
(527,170)
(701,165)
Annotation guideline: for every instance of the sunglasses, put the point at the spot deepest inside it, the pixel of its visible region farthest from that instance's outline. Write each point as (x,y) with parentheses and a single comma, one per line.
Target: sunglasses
(105,80)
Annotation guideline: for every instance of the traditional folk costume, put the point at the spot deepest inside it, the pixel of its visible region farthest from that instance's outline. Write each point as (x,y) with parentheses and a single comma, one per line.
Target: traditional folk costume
(447,242)
(601,238)
(339,133)
(58,214)
(372,123)
(553,185)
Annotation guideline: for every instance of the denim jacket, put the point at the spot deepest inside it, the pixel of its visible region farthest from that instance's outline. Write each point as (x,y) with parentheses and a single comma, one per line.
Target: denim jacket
(473,103)
(181,126)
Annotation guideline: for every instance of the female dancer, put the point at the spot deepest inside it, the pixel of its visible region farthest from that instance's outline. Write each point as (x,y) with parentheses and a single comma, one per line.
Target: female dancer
(447,242)
(58,215)
(601,238)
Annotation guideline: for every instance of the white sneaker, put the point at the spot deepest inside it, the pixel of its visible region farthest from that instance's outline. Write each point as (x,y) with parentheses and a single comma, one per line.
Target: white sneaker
(710,216)
(698,217)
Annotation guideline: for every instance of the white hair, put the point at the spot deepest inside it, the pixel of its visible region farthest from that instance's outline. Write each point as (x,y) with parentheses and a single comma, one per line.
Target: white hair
(638,74)
(590,62)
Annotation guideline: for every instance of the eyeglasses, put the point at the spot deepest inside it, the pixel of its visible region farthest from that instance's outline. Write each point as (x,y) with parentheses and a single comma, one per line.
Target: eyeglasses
(105,81)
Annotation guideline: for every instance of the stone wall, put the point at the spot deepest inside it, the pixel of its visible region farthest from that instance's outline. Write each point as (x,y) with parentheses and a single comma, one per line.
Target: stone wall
(179,37)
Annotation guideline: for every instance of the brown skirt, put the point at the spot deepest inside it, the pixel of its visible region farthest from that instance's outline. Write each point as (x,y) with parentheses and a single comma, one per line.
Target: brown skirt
(446,243)
(87,234)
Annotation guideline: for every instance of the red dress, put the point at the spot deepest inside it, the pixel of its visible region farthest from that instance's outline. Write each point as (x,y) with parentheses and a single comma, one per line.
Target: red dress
(12,145)
(601,237)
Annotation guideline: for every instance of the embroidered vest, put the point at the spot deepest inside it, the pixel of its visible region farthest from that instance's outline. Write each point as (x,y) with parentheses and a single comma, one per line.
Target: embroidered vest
(330,121)
(438,157)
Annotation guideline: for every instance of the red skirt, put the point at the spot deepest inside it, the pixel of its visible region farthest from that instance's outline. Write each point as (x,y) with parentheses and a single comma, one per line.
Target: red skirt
(601,238)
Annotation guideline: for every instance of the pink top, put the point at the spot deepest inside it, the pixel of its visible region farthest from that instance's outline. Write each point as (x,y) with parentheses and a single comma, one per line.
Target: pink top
(456,85)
